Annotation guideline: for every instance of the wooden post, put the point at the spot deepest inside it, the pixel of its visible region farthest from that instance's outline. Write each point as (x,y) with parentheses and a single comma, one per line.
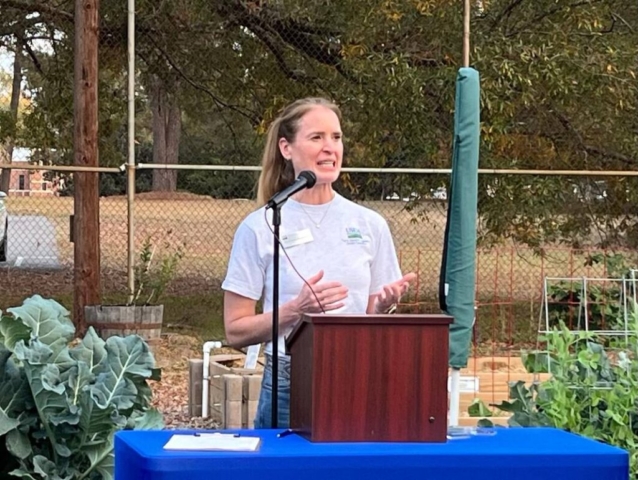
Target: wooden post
(467,10)
(86,193)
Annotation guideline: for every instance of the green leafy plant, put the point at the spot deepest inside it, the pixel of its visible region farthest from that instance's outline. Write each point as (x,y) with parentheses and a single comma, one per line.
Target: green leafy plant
(154,271)
(592,391)
(62,400)
(567,299)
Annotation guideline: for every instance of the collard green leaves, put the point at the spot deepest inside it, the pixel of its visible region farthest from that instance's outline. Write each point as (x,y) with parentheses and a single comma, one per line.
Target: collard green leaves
(61,404)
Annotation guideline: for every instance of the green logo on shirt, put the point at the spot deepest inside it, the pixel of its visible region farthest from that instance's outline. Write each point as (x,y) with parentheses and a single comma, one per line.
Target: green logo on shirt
(353,233)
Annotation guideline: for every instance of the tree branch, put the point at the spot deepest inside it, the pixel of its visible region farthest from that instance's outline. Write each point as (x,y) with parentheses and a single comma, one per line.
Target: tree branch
(301,41)
(270,43)
(567,125)
(220,103)
(296,34)
(590,149)
(413,47)
(311,29)
(614,155)
(507,11)
(40,7)
(33,57)
(550,12)
(19,26)
(616,16)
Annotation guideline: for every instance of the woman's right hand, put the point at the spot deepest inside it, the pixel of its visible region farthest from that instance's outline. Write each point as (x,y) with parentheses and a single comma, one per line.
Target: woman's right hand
(329,294)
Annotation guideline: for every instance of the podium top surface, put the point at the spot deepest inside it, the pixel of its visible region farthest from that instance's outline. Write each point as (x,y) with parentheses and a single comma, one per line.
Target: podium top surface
(383,319)
(321,319)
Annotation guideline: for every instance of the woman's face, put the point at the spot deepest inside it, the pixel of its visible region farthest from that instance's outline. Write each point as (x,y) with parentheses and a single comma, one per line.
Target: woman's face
(317,146)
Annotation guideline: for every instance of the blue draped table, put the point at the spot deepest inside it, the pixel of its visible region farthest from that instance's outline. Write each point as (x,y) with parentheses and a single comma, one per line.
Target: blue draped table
(510,454)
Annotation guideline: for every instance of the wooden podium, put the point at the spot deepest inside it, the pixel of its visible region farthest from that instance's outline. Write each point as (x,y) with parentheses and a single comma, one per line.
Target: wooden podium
(369,378)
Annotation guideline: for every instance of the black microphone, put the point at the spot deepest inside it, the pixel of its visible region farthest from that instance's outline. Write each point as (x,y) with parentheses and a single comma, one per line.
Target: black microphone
(306,179)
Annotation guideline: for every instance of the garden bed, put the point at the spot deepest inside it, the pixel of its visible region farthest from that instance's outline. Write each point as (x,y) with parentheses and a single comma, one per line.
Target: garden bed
(171,394)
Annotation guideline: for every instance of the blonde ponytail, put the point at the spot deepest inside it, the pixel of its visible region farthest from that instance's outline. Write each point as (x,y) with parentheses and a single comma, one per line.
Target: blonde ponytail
(277,173)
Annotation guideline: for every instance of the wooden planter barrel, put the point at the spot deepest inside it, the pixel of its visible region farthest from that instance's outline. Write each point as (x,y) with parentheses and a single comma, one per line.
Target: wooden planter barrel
(123,320)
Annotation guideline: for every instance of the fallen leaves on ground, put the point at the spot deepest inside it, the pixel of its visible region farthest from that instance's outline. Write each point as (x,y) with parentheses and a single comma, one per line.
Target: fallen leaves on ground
(170,394)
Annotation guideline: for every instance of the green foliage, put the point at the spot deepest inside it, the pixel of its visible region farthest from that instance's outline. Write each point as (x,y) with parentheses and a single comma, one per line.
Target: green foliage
(62,400)
(558,80)
(200,147)
(553,75)
(479,409)
(154,271)
(601,307)
(7,125)
(592,391)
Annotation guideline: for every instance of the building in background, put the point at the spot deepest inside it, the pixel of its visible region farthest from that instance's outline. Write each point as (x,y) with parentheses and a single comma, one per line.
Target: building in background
(30,183)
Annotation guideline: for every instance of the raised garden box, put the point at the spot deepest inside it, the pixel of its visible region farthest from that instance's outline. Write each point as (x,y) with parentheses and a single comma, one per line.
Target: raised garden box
(233,392)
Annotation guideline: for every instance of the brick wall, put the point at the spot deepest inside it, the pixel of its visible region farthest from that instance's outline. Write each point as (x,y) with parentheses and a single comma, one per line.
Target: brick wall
(29,183)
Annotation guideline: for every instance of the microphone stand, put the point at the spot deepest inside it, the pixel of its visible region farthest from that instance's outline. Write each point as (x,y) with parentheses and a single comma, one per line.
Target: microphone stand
(276,222)
(306,179)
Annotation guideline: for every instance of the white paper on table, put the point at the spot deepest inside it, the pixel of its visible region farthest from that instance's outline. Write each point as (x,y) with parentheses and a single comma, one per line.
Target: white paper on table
(212,441)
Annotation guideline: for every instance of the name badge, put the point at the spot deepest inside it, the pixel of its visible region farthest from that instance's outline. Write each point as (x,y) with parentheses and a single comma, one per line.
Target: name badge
(296,238)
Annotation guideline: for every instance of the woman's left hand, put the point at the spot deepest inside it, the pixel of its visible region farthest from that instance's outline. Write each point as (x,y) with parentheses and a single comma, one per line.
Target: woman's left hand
(391,294)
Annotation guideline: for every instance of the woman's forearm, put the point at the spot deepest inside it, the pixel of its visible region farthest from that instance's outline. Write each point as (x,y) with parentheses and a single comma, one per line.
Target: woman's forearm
(254,329)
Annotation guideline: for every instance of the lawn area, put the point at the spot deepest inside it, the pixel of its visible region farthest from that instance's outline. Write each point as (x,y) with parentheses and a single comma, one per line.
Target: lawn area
(509,278)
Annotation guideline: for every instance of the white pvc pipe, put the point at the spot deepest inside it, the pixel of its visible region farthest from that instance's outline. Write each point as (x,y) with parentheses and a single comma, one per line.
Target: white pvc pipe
(455,398)
(208,346)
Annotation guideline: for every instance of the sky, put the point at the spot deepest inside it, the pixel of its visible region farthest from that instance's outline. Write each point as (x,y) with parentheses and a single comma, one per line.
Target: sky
(6,60)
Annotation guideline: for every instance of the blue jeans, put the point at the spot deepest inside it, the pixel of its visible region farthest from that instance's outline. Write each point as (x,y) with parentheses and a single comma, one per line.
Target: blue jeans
(264,408)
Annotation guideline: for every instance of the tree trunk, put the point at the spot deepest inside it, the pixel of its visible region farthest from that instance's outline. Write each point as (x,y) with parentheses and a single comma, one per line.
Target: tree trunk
(167,127)
(86,201)
(6,152)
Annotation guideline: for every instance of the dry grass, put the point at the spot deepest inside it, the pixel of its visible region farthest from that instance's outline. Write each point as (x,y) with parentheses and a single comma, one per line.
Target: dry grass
(206,227)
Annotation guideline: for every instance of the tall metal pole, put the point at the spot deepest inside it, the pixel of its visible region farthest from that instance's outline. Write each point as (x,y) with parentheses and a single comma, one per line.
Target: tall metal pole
(130,164)
(455,376)
(466,32)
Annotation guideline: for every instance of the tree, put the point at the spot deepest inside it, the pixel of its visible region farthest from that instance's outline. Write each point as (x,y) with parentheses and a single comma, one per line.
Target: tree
(11,118)
(558,92)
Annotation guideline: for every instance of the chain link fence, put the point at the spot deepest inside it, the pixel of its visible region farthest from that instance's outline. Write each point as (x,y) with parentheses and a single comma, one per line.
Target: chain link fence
(209,77)
(199,229)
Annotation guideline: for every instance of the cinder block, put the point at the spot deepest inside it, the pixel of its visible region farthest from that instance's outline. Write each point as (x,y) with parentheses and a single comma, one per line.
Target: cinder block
(233,414)
(252,387)
(233,388)
(216,399)
(217,365)
(250,412)
(195,376)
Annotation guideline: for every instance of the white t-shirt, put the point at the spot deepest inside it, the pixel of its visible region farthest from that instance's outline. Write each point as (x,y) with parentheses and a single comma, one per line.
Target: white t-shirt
(352,245)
